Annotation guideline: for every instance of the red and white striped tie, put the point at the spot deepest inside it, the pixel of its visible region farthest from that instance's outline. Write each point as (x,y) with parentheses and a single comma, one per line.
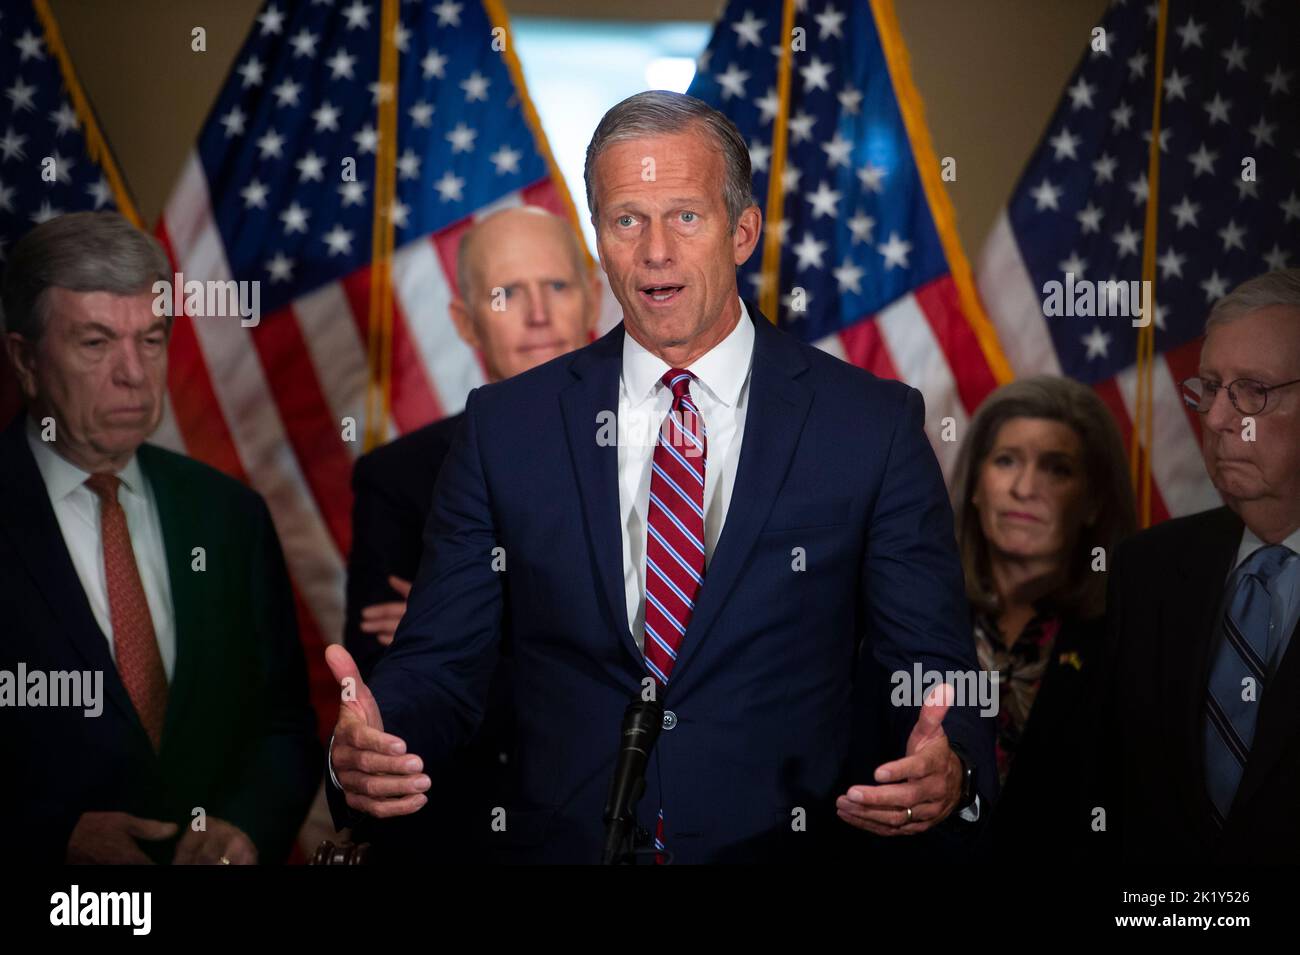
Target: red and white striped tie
(674,558)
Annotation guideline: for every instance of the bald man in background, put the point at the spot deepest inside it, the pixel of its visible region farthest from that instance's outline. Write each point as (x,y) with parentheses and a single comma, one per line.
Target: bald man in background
(527,295)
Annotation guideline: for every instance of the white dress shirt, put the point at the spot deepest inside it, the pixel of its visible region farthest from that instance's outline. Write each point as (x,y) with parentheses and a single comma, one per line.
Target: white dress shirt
(721,392)
(77,509)
(1285,591)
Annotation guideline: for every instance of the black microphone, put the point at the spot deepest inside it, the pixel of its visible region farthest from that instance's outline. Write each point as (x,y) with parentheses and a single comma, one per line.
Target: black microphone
(642,721)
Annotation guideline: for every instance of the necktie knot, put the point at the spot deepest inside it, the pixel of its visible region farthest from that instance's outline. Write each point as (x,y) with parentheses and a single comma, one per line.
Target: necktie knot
(1266,562)
(105,485)
(679,381)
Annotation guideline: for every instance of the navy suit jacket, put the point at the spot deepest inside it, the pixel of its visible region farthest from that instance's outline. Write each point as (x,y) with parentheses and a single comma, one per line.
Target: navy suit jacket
(835,468)
(239,737)
(392,488)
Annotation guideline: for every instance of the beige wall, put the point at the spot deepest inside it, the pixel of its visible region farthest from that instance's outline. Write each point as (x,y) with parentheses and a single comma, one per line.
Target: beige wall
(990,72)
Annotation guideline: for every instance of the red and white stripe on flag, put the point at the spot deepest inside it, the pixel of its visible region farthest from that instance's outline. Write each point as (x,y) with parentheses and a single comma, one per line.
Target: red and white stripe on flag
(1179,482)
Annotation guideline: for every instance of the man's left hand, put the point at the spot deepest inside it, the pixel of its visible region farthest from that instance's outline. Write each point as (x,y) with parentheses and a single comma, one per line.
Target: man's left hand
(928,780)
(222,843)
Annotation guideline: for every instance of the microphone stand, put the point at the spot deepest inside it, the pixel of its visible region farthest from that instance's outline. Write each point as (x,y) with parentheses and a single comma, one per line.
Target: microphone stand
(642,721)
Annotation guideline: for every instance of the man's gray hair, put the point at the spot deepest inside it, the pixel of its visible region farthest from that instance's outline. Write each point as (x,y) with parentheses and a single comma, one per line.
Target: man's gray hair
(1280,287)
(661,112)
(80,252)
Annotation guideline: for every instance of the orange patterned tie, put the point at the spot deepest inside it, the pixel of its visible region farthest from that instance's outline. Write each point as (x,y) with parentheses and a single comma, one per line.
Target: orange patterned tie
(139,662)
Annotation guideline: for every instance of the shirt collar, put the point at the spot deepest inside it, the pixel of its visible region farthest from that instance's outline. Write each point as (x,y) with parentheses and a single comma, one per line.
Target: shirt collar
(722,369)
(1250,543)
(62,477)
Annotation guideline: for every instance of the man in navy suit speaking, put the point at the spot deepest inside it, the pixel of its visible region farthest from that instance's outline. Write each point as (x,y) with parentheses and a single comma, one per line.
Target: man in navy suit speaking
(699,505)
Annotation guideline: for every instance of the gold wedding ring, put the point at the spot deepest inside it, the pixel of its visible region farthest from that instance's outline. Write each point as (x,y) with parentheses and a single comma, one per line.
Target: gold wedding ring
(909,813)
(225,861)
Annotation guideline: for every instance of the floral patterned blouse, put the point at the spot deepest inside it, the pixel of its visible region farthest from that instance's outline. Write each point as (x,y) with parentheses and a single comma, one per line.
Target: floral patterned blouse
(1020,670)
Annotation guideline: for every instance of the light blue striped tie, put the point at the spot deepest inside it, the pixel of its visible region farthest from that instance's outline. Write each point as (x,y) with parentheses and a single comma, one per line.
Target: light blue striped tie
(1242,649)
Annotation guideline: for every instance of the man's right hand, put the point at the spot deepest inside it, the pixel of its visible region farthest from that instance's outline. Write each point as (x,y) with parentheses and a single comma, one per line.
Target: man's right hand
(109,838)
(377,775)
(382,619)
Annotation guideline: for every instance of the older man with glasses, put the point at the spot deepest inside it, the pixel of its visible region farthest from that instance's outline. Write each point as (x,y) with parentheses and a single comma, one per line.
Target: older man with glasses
(1204,714)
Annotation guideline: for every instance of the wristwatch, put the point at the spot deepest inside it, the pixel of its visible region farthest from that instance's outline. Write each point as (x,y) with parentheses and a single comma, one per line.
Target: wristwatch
(968,793)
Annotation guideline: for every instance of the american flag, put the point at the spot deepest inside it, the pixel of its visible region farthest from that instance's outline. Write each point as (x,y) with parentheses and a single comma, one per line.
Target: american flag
(1229,93)
(263,198)
(46,167)
(867,232)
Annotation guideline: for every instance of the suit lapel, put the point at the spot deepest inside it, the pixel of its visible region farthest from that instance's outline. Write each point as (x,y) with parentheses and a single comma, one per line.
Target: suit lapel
(595,391)
(778,405)
(179,522)
(1193,617)
(27,516)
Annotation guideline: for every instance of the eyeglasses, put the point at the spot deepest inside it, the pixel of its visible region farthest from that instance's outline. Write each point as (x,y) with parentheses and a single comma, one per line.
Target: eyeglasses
(1247,395)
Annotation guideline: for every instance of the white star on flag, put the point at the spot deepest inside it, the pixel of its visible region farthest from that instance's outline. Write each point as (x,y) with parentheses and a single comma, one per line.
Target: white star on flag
(1097,342)
(809,251)
(462,138)
(1127,240)
(449,187)
(339,240)
(1185,212)
(1046,196)
(1089,219)
(895,251)
(252,72)
(311,168)
(849,276)
(353,192)
(254,195)
(823,200)
(1065,144)
(861,225)
(506,160)
(280,268)
(341,64)
(295,218)
(747,29)
(732,82)
(326,118)
(475,87)
(448,13)
(1215,287)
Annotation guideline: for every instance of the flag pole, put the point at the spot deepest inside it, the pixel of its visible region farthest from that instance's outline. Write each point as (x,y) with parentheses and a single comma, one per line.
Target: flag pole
(96,145)
(1140,448)
(380,328)
(770,291)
